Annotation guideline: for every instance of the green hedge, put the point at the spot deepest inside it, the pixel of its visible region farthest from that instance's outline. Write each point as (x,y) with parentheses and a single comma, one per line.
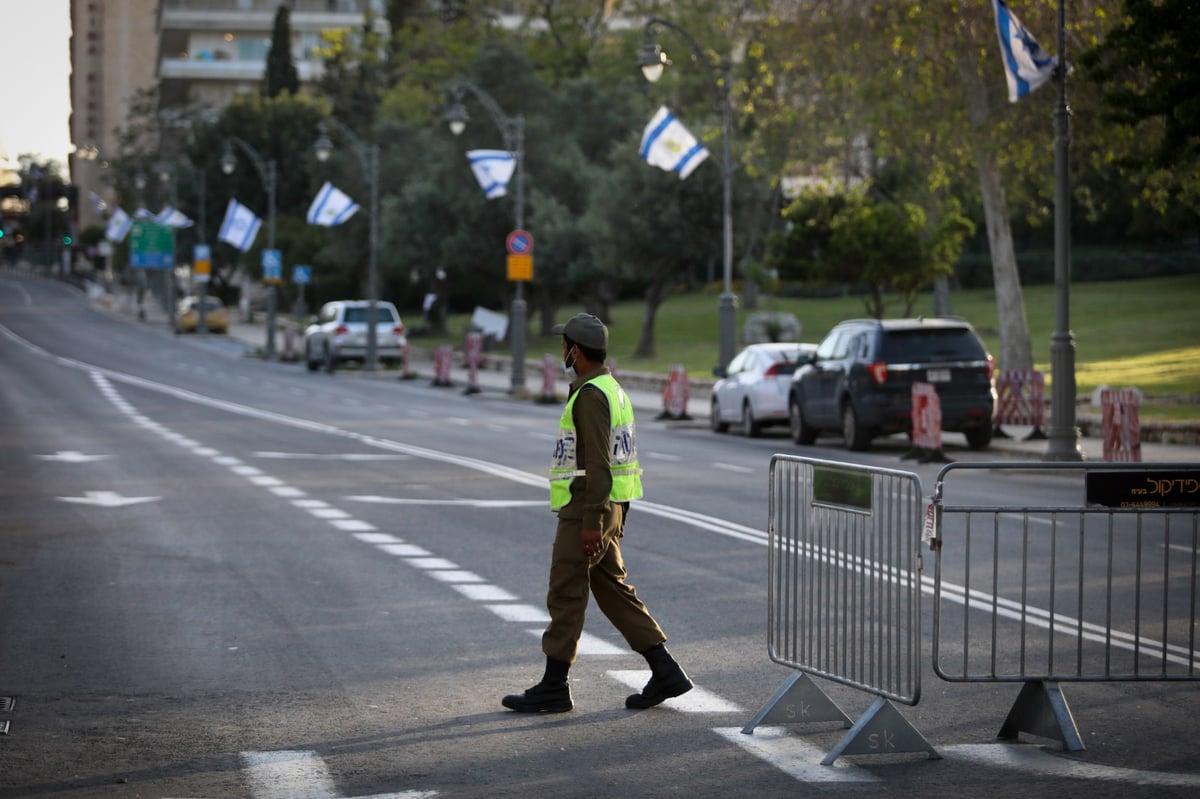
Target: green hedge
(1037,267)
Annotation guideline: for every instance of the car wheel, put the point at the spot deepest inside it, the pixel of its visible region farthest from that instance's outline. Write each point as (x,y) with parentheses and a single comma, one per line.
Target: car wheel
(330,361)
(312,364)
(979,437)
(802,433)
(750,428)
(714,418)
(857,437)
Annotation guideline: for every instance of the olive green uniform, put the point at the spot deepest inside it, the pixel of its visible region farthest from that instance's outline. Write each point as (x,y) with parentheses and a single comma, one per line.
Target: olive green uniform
(572,574)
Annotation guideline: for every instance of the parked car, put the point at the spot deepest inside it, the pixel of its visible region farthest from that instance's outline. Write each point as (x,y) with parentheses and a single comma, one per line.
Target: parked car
(753,389)
(339,335)
(860,380)
(187,315)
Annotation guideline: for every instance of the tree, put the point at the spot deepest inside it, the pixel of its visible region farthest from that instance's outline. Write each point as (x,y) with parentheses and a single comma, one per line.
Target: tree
(281,75)
(1149,77)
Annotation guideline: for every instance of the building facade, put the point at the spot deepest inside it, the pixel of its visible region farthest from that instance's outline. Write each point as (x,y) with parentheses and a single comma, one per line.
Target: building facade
(197,53)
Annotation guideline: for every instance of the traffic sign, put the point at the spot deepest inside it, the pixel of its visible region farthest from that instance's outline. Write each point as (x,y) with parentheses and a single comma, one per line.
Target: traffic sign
(520,267)
(272,266)
(301,274)
(151,246)
(519,242)
(201,263)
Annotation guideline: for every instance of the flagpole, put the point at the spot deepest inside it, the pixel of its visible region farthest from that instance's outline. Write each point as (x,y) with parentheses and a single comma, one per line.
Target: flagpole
(652,61)
(266,171)
(512,130)
(1063,435)
(368,156)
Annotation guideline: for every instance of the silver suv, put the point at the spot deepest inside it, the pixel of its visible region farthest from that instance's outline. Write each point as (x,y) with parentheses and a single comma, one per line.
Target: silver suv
(340,334)
(860,380)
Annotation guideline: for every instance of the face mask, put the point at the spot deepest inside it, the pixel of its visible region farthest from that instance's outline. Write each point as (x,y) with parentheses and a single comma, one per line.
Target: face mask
(569,367)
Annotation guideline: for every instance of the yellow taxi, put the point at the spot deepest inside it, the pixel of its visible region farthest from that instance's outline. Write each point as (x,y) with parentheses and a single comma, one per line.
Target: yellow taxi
(187,315)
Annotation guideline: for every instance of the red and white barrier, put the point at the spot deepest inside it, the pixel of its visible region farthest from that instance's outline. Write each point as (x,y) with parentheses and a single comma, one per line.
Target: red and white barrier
(675,394)
(441,365)
(1122,430)
(473,352)
(926,424)
(549,368)
(1021,399)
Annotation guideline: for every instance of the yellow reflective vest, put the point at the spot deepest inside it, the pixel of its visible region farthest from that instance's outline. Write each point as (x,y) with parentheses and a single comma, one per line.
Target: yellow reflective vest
(626,474)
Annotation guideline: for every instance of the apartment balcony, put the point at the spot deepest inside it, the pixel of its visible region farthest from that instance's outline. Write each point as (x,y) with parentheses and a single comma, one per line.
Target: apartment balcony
(234,71)
(259,15)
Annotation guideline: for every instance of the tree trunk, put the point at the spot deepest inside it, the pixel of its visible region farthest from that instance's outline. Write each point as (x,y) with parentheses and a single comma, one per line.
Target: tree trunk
(655,294)
(1015,349)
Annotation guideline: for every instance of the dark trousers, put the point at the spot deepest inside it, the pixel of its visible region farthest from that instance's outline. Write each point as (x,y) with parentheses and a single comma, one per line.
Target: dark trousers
(573,577)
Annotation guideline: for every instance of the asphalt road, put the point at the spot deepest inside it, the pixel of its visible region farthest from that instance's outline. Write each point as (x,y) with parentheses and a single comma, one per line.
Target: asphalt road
(223,577)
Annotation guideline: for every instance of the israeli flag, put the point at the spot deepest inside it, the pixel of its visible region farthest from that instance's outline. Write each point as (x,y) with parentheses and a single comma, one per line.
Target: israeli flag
(330,207)
(240,226)
(667,144)
(493,169)
(142,213)
(1026,65)
(98,204)
(118,226)
(173,218)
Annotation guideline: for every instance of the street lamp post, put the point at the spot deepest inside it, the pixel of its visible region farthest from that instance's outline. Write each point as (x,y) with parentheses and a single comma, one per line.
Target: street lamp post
(652,61)
(368,156)
(512,130)
(267,173)
(169,172)
(1062,433)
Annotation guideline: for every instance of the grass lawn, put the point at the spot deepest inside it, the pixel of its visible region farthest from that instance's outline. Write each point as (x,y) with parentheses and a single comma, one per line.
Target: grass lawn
(1143,333)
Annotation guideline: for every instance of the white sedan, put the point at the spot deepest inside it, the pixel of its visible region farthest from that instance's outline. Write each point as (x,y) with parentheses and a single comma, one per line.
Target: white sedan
(753,390)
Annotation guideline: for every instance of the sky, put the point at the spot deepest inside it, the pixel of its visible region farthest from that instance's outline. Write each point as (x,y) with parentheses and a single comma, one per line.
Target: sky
(35,56)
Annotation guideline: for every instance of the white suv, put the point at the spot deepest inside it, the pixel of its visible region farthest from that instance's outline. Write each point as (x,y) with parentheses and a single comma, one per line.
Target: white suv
(340,334)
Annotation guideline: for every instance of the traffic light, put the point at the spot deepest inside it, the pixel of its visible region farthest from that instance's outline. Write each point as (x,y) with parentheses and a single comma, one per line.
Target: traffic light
(3,232)
(67,240)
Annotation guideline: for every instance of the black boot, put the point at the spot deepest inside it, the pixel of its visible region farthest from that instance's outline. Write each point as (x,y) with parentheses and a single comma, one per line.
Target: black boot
(667,679)
(551,695)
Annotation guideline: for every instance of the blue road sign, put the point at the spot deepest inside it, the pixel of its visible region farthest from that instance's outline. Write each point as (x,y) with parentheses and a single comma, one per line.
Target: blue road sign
(301,274)
(272,266)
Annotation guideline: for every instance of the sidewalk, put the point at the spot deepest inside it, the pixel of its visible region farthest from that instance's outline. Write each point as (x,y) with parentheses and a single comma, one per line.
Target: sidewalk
(645,390)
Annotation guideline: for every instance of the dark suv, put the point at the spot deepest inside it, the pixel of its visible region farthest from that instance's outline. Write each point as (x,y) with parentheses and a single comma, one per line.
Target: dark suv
(860,380)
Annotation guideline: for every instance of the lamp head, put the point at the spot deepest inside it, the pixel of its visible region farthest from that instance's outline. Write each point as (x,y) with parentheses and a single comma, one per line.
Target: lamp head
(652,61)
(323,147)
(456,117)
(228,160)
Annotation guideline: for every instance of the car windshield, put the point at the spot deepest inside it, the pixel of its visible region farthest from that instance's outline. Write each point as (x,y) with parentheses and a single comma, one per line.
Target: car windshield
(382,315)
(912,346)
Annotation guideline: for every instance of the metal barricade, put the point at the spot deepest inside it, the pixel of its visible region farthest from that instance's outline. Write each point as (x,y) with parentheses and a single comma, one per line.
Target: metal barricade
(844,597)
(1093,576)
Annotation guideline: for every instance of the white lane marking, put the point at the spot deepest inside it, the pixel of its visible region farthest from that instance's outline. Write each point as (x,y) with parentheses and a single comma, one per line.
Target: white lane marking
(1028,758)
(520,613)
(317,456)
(329,513)
(589,644)
(405,550)
(470,503)
(310,503)
(107,499)
(663,456)
(245,471)
(733,467)
(431,563)
(792,755)
(456,576)
(287,491)
(378,538)
(266,481)
(300,775)
(483,592)
(70,456)
(352,525)
(696,700)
